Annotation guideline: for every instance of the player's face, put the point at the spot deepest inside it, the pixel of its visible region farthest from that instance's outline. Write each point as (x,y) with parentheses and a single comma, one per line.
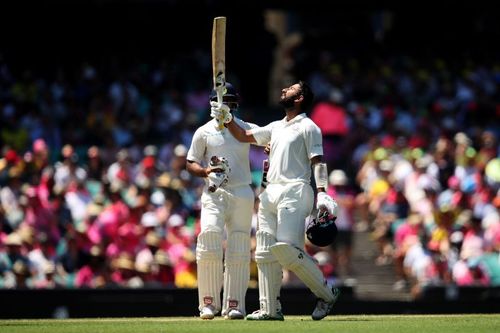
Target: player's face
(289,95)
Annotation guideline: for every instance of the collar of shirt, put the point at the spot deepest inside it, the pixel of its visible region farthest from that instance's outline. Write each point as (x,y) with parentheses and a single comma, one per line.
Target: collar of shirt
(294,120)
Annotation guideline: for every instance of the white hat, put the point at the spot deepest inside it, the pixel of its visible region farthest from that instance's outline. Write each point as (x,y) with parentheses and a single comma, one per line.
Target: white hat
(180,150)
(338,178)
(175,220)
(322,257)
(150,150)
(149,219)
(158,198)
(462,138)
(386,165)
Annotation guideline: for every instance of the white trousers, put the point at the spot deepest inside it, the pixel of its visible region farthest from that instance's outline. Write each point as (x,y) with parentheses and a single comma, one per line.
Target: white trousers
(282,213)
(283,209)
(229,210)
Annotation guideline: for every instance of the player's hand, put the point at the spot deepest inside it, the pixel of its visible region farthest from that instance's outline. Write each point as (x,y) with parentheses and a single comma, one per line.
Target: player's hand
(216,180)
(267,149)
(219,168)
(325,202)
(220,111)
(209,170)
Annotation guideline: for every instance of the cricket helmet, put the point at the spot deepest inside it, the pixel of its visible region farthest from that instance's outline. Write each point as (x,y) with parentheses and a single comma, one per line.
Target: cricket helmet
(322,230)
(231,96)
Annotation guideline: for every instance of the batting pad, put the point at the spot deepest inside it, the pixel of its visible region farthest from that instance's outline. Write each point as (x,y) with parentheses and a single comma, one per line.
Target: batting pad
(299,262)
(237,271)
(270,274)
(209,262)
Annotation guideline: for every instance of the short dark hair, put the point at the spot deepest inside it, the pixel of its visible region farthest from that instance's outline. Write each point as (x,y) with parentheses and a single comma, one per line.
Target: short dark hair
(307,93)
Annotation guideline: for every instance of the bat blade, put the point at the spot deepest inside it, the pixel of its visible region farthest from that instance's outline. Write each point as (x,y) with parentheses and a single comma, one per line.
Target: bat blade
(219,59)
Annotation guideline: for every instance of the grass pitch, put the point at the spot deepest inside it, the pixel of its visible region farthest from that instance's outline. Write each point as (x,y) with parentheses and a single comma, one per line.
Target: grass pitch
(292,324)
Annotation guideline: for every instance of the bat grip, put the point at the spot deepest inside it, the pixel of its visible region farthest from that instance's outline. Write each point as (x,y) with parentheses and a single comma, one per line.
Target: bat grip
(220,122)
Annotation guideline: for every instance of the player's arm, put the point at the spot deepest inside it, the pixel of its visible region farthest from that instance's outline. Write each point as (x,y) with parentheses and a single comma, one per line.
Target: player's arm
(320,173)
(196,154)
(197,169)
(255,134)
(323,200)
(314,146)
(239,133)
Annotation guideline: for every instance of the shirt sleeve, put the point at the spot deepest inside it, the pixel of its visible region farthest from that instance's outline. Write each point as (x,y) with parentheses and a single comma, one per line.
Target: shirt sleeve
(198,147)
(262,135)
(313,140)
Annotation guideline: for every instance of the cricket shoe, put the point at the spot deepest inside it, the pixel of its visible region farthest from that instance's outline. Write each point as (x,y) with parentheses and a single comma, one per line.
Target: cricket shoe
(207,312)
(259,315)
(234,314)
(323,307)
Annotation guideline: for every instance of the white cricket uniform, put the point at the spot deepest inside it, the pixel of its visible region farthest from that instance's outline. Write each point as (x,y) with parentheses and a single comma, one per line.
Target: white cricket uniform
(288,198)
(207,142)
(284,205)
(230,206)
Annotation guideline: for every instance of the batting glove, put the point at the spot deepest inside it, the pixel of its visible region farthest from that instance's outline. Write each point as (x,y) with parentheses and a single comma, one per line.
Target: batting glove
(325,202)
(220,112)
(218,178)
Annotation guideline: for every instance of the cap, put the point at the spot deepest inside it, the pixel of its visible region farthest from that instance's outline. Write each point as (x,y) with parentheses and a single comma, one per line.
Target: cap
(157,198)
(322,257)
(150,150)
(175,220)
(338,178)
(180,150)
(149,219)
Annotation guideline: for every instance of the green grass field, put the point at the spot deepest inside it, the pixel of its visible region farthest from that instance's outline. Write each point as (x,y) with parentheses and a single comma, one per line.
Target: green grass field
(292,324)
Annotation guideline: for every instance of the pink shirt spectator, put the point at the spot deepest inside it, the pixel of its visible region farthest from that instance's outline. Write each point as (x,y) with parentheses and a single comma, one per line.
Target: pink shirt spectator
(330,118)
(472,246)
(464,276)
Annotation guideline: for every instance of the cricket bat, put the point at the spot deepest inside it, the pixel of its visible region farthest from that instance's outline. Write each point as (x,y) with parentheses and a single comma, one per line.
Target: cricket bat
(219,60)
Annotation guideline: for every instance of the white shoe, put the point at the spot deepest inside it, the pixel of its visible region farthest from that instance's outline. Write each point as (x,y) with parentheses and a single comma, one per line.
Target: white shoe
(207,312)
(259,315)
(323,308)
(234,314)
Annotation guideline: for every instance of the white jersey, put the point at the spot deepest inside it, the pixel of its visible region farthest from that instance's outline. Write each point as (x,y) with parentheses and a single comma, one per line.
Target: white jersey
(293,144)
(208,141)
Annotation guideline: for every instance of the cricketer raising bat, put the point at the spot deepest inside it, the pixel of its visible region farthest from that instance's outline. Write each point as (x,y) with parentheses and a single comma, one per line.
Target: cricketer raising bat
(219,60)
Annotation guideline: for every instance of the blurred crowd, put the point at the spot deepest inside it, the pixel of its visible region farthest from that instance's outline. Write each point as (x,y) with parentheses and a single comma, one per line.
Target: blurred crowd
(94,191)
(416,148)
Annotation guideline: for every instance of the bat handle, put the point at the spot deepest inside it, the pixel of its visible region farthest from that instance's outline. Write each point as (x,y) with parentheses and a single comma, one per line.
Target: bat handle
(220,122)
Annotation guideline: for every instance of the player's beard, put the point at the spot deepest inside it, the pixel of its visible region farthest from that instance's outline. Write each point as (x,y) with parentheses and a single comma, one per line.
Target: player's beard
(288,102)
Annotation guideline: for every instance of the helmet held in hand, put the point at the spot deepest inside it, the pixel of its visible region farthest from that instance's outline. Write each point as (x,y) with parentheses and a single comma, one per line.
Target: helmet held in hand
(322,230)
